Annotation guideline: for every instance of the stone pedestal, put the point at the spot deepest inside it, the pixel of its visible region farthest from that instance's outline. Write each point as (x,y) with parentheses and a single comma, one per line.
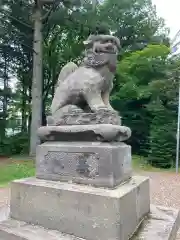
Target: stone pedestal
(85,191)
(161,223)
(85,133)
(91,163)
(83,211)
(55,210)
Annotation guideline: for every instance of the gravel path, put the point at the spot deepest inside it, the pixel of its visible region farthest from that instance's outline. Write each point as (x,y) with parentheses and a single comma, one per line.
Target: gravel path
(4,196)
(165,190)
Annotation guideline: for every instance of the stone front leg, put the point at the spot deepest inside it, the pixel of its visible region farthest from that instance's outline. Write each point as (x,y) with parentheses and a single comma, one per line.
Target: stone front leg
(105,98)
(94,100)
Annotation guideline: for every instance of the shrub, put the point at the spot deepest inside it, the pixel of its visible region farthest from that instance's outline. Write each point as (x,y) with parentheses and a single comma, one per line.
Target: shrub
(162,139)
(16,144)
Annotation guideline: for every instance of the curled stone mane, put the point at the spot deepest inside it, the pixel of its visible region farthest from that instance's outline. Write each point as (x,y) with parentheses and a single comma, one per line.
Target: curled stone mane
(95,60)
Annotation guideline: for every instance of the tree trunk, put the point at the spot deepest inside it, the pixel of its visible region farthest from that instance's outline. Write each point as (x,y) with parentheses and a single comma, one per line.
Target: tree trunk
(5,97)
(54,81)
(37,82)
(29,111)
(44,121)
(23,112)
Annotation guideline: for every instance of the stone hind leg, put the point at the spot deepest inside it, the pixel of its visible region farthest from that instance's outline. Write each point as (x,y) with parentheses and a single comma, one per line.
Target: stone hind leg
(94,100)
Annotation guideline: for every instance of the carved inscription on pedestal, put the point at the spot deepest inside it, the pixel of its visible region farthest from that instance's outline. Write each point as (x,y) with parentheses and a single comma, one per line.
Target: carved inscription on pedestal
(71,163)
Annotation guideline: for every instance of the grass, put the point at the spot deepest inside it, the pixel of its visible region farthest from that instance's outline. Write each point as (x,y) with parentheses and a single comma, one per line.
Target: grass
(139,164)
(19,167)
(15,170)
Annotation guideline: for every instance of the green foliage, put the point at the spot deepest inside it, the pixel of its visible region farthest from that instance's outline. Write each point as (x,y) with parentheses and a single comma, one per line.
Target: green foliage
(163,107)
(16,144)
(162,147)
(135,22)
(19,143)
(134,90)
(146,92)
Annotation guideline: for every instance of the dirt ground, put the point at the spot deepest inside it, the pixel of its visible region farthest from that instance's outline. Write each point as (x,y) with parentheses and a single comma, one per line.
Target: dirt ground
(165,190)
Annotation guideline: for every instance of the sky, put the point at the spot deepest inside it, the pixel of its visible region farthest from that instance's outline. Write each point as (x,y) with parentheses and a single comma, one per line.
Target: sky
(170,11)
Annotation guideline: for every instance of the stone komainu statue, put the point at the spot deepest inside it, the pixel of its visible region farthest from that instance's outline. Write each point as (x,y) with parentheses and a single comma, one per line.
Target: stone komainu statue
(87,87)
(80,109)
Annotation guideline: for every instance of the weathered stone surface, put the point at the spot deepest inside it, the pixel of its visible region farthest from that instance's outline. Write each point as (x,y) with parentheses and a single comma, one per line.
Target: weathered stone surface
(4,212)
(161,224)
(98,132)
(83,211)
(98,164)
(18,230)
(89,85)
(78,117)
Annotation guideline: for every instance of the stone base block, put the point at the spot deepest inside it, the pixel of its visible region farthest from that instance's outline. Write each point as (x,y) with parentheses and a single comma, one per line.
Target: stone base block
(83,211)
(84,133)
(161,223)
(97,164)
(18,230)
